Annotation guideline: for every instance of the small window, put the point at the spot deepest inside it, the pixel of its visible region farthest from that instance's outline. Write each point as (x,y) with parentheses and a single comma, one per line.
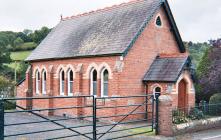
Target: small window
(104,83)
(44,79)
(70,82)
(157,90)
(158,21)
(37,82)
(93,82)
(62,82)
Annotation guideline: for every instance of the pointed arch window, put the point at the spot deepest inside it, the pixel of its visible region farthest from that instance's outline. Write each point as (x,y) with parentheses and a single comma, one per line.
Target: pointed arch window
(44,79)
(104,83)
(93,82)
(62,82)
(158,21)
(37,81)
(70,82)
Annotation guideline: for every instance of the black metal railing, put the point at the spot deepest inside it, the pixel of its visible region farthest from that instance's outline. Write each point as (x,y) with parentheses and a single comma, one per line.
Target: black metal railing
(124,116)
(140,112)
(188,114)
(40,118)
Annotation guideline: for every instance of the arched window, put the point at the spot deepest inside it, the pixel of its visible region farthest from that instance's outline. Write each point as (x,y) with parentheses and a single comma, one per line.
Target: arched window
(70,82)
(157,90)
(44,79)
(93,82)
(104,83)
(62,82)
(158,21)
(37,81)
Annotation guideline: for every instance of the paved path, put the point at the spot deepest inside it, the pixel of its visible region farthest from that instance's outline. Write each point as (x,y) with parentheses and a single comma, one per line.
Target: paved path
(12,118)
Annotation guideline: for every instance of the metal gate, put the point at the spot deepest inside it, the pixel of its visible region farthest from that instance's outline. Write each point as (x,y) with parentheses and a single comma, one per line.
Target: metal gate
(94,119)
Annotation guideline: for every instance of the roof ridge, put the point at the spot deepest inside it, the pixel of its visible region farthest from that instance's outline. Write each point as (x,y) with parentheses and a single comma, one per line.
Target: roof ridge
(173,55)
(107,8)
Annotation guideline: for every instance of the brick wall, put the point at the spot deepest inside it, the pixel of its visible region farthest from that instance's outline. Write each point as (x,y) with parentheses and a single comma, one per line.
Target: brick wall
(125,74)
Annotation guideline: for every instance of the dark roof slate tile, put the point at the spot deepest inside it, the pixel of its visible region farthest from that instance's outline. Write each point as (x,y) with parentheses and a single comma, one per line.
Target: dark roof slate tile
(165,69)
(99,33)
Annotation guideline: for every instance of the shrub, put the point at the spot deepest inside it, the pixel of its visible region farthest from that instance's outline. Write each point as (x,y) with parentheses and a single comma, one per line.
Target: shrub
(215,104)
(24,47)
(9,106)
(215,99)
(195,114)
(179,117)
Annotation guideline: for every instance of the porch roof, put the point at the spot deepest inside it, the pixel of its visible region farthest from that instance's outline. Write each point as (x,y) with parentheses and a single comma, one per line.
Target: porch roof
(165,69)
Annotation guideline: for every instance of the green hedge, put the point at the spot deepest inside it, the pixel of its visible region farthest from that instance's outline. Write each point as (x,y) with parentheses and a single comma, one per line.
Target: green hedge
(215,104)
(215,99)
(23,47)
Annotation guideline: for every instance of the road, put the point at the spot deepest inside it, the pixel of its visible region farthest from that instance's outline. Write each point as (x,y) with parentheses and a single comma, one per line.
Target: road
(212,134)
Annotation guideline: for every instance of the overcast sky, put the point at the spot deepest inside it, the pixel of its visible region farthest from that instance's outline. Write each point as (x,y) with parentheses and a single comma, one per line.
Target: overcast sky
(197,20)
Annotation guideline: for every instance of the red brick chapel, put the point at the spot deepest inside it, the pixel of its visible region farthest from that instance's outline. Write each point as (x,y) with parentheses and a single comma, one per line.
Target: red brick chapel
(133,48)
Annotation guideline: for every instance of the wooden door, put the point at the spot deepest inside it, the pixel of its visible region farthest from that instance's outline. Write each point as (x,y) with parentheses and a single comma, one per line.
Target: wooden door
(182,94)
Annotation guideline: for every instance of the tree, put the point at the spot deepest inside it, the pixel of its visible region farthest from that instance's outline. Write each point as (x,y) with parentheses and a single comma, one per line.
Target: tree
(39,35)
(24,37)
(216,43)
(4,57)
(27,32)
(18,42)
(209,72)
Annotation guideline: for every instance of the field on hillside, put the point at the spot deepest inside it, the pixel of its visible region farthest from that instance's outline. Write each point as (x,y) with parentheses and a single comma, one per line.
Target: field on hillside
(18,56)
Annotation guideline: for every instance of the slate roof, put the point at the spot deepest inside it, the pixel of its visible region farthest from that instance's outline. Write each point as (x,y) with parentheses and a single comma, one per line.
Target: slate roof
(165,69)
(103,32)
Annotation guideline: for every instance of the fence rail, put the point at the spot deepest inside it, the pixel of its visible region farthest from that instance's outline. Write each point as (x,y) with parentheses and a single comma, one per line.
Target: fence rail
(188,114)
(143,109)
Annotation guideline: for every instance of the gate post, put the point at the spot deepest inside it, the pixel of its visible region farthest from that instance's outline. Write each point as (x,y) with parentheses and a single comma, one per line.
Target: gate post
(94,118)
(165,125)
(157,115)
(1,119)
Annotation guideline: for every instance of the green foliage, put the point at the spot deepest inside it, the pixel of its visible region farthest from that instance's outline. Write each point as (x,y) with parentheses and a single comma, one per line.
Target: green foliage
(204,64)
(24,36)
(147,130)
(215,105)
(4,82)
(18,42)
(197,51)
(21,69)
(215,99)
(25,47)
(179,117)
(7,38)
(196,114)
(39,35)
(10,105)
(21,55)
(6,87)
(4,57)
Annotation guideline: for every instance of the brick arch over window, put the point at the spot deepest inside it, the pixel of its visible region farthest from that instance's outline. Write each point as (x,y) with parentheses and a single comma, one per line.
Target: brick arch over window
(60,67)
(34,71)
(153,87)
(107,67)
(89,68)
